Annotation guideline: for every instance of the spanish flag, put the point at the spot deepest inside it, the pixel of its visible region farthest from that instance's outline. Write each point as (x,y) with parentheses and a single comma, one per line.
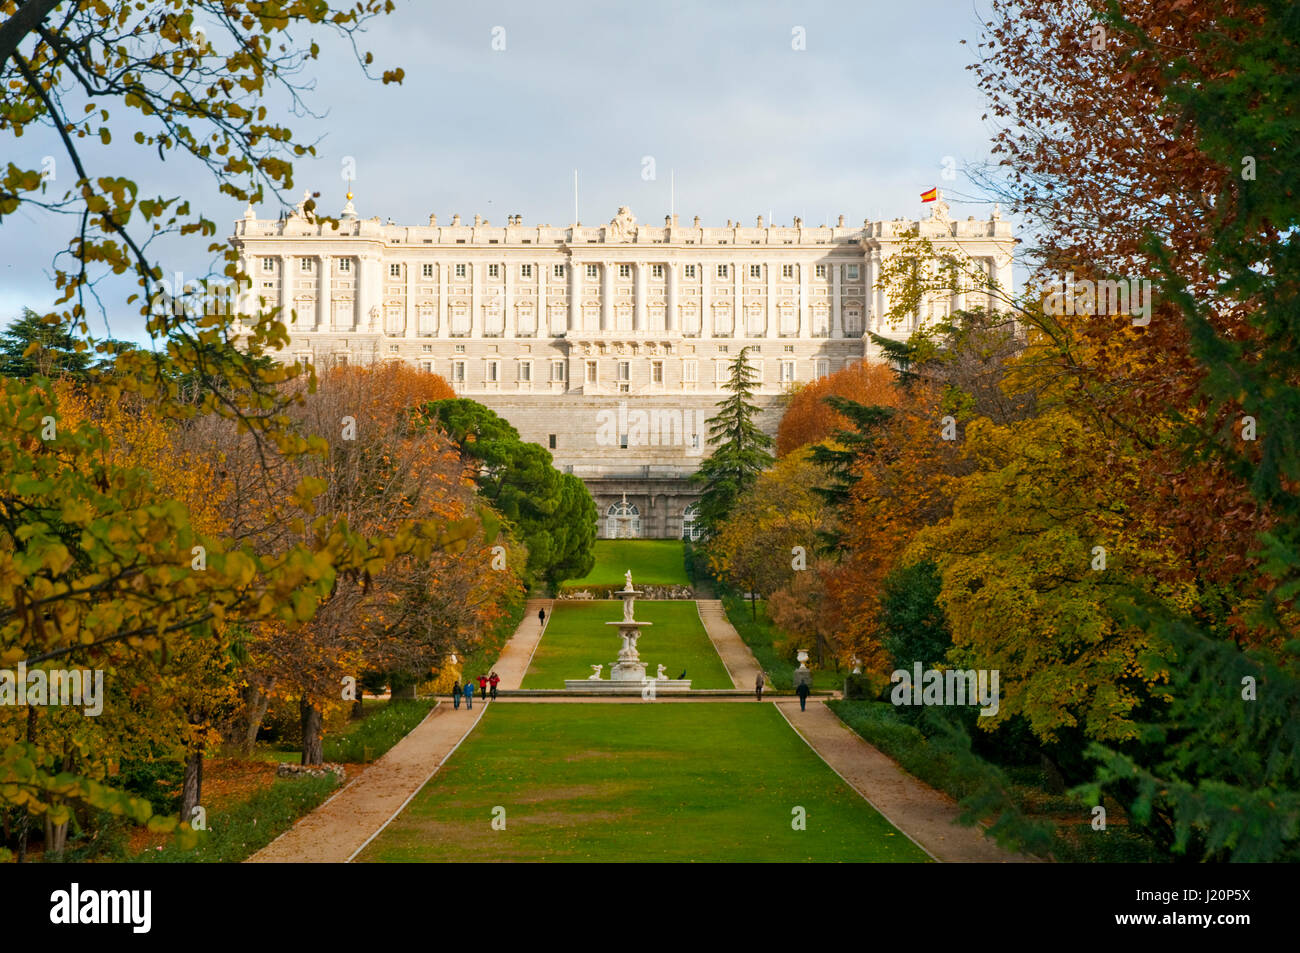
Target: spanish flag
(931,195)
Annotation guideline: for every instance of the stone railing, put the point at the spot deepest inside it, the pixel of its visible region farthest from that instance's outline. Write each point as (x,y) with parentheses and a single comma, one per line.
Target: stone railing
(643,592)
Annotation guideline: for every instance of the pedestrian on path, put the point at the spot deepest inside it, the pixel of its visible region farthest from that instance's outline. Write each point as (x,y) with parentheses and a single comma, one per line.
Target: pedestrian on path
(469,695)
(758,687)
(494,681)
(455,695)
(541,617)
(803,691)
(482,686)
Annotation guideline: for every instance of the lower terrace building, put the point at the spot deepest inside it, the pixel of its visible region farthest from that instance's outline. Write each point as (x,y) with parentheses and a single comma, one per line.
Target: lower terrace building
(605,344)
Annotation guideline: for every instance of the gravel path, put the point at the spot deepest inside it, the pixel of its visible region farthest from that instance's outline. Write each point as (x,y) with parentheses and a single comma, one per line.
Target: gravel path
(925,815)
(736,656)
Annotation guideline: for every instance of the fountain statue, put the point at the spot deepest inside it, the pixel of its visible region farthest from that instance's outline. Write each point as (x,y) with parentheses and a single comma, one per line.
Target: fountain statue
(628,673)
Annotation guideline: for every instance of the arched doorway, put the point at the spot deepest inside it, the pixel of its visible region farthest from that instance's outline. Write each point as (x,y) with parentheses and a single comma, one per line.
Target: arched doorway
(691,528)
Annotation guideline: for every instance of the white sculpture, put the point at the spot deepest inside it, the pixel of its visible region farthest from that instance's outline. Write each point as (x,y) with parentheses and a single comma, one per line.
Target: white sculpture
(662,674)
(595,673)
(627,577)
(623,226)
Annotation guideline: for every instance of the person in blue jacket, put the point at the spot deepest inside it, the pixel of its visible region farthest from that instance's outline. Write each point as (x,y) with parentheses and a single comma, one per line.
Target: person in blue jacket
(455,695)
(469,694)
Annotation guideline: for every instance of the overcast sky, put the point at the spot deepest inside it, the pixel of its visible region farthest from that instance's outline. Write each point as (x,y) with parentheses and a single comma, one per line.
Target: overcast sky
(858,123)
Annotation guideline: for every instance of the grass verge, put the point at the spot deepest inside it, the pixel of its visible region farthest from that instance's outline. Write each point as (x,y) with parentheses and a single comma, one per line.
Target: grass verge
(644,782)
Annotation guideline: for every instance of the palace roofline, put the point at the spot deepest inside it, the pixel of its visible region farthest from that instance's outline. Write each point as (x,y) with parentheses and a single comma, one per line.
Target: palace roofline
(623,229)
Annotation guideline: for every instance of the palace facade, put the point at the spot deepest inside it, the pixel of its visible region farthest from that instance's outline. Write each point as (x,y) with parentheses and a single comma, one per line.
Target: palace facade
(606,344)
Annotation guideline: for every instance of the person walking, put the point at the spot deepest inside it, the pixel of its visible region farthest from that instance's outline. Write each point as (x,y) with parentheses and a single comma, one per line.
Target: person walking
(758,687)
(455,695)
(541,617)
(803,691)
(494,681)
(482,686)
(469,695)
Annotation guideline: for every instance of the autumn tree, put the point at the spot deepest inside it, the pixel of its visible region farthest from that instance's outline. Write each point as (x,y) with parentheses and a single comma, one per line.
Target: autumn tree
(772,531)
(97,564)
(810,418)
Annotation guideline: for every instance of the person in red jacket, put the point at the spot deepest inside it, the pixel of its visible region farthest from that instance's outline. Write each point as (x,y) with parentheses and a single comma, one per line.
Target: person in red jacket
(494,681)
(482,686)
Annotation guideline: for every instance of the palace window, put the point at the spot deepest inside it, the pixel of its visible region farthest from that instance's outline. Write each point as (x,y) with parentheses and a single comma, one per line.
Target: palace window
(851,272)
(722,271)
(787,271)
(690,371)
(787,372)
(656,271)
(426,270)
(690,271)
(394,348)
(788,349)
(558,271)
(460,349)
(657,372)
(591,372)
(345,266)
(493,371)
(525,271)
(268,264)
(557,370)
(592,272)
(394,271)
(526,371)
(624,370)
(458,372)
(625,271)
(550,440)
(426,348)
(460,271)
(821,271)
(823,367)
(426,366)
(756,271)
(304,264)
(494,271)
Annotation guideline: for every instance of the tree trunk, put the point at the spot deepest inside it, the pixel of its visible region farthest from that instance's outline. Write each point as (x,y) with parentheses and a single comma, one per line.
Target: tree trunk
(256,702)
(312,750)
(192,786)
(56,839)
(753,605)
(359,706)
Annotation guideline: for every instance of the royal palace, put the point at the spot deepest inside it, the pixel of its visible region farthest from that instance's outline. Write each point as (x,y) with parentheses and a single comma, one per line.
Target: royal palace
(606,344)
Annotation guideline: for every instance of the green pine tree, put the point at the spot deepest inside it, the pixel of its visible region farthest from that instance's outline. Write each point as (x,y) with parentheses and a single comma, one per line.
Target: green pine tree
(57,352)
(742,449)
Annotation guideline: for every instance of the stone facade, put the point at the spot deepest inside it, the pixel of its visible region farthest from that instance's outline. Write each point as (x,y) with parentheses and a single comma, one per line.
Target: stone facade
(607,344)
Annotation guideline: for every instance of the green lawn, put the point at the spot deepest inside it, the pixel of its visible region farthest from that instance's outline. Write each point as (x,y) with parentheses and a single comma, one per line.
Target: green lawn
(577,638)
(653,781)
(654,562)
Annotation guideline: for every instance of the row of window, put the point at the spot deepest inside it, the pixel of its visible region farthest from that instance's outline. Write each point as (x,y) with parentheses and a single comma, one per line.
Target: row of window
(851,272)
(623,371)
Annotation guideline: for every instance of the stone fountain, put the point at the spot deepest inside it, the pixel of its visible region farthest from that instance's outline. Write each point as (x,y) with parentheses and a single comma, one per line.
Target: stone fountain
(627,675)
